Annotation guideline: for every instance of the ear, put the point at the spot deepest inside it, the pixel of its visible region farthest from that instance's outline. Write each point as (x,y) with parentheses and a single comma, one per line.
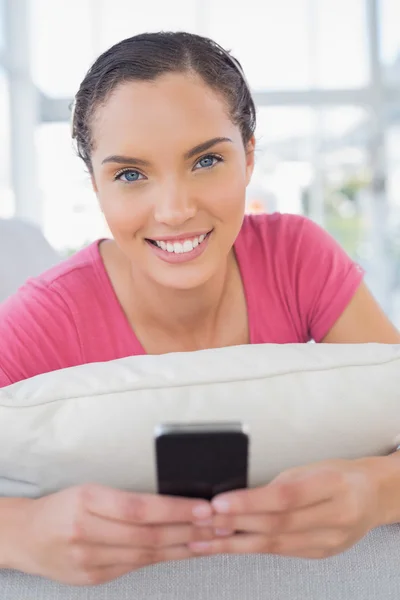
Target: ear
(250,158)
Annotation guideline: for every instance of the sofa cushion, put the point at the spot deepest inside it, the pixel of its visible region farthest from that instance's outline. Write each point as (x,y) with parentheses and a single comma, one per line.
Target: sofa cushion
(300,403)
(24,253)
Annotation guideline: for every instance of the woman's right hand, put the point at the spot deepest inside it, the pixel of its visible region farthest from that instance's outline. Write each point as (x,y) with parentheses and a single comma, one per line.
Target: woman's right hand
(92,534)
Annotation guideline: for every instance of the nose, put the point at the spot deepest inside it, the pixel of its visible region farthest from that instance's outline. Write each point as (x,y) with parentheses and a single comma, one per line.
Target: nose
(174,205)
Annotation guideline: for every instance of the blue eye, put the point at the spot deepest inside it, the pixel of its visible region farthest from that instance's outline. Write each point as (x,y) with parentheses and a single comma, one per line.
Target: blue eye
(128,176)
(206,162)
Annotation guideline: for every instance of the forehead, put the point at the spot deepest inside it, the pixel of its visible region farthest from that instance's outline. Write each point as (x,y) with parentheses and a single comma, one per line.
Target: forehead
(174,107)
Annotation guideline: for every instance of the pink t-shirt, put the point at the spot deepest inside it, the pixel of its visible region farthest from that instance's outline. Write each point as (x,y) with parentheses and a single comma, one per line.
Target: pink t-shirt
(297,282)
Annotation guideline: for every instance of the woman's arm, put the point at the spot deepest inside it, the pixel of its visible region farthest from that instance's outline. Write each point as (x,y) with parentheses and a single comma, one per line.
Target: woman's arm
(362,321)
(10,518)
(91,534)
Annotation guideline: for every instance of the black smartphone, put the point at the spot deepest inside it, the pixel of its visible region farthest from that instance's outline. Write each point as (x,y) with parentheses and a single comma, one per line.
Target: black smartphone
(201,460)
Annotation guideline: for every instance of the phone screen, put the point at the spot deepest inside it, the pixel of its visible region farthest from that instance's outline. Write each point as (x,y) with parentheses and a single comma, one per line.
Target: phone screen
(201,461)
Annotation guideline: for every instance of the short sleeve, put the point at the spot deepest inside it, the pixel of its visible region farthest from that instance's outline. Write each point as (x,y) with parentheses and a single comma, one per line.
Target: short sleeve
(325,278)
(37,334)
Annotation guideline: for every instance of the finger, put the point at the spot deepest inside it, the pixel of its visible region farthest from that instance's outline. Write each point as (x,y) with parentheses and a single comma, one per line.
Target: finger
(115,533)
(104,572)
(142,508)
(315,543)
(325,515)
(90,557)
(289,491)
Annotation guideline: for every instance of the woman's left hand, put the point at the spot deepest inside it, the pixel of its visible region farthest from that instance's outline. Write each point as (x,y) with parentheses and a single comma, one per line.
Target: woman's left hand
(309,512)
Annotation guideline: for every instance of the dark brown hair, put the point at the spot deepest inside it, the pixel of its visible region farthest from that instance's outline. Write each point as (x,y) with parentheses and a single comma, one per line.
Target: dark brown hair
(145,57)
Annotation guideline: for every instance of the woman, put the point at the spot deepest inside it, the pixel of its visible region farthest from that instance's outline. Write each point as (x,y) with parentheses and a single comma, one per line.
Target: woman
(165,125)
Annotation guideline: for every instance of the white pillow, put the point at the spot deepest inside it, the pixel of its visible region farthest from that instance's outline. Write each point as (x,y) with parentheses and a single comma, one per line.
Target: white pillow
(301,403)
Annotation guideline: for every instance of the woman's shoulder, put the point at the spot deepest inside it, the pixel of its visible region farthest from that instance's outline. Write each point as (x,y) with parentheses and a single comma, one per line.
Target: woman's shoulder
(276,233)
(265,225)
(291,240)
(82,264)
(299,259)
(38,324)
(64,277)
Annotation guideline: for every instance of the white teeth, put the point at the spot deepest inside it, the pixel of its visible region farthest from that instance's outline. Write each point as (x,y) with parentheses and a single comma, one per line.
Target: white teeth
(180,247)
(187,246)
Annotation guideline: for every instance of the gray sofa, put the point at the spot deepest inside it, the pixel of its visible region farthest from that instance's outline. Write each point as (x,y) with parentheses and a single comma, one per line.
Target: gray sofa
(24,252)
(369,571)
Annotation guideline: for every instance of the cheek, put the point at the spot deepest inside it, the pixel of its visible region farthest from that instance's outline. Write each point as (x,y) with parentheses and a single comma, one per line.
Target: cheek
(226,197)
(123,211)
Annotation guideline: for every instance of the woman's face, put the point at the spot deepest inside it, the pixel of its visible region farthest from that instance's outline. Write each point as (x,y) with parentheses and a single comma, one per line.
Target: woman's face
(170,171)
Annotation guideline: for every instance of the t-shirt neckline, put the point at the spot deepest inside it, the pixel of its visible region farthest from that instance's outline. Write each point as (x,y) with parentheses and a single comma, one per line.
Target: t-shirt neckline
(106,283)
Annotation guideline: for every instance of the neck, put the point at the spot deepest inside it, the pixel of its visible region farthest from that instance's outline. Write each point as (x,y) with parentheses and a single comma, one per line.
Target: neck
(189,313)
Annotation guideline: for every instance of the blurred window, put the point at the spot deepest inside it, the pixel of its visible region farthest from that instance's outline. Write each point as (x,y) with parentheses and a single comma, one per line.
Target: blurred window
(271,40)
(6,194)
(124,18)
(390,40)
(2,32)
(295,44)
(62,36)
(72,217)
(340,46)
(68,36)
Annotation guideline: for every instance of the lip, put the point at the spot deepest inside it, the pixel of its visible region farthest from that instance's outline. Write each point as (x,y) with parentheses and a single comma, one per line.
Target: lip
(184,257)
(182,236)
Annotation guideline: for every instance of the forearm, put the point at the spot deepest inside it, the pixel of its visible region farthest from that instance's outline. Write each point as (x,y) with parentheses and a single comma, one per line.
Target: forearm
(385,471)
(11,511)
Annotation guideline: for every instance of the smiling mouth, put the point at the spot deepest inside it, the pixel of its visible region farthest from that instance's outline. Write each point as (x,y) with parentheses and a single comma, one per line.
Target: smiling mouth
(179,247)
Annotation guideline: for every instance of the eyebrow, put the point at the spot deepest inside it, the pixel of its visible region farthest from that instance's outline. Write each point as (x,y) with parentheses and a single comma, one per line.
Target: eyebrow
(130,160)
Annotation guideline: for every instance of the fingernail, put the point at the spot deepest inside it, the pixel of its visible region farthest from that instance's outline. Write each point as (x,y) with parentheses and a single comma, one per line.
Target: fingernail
(206,523)
(200,546)
(202,512)
(221,506)
(223,532)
